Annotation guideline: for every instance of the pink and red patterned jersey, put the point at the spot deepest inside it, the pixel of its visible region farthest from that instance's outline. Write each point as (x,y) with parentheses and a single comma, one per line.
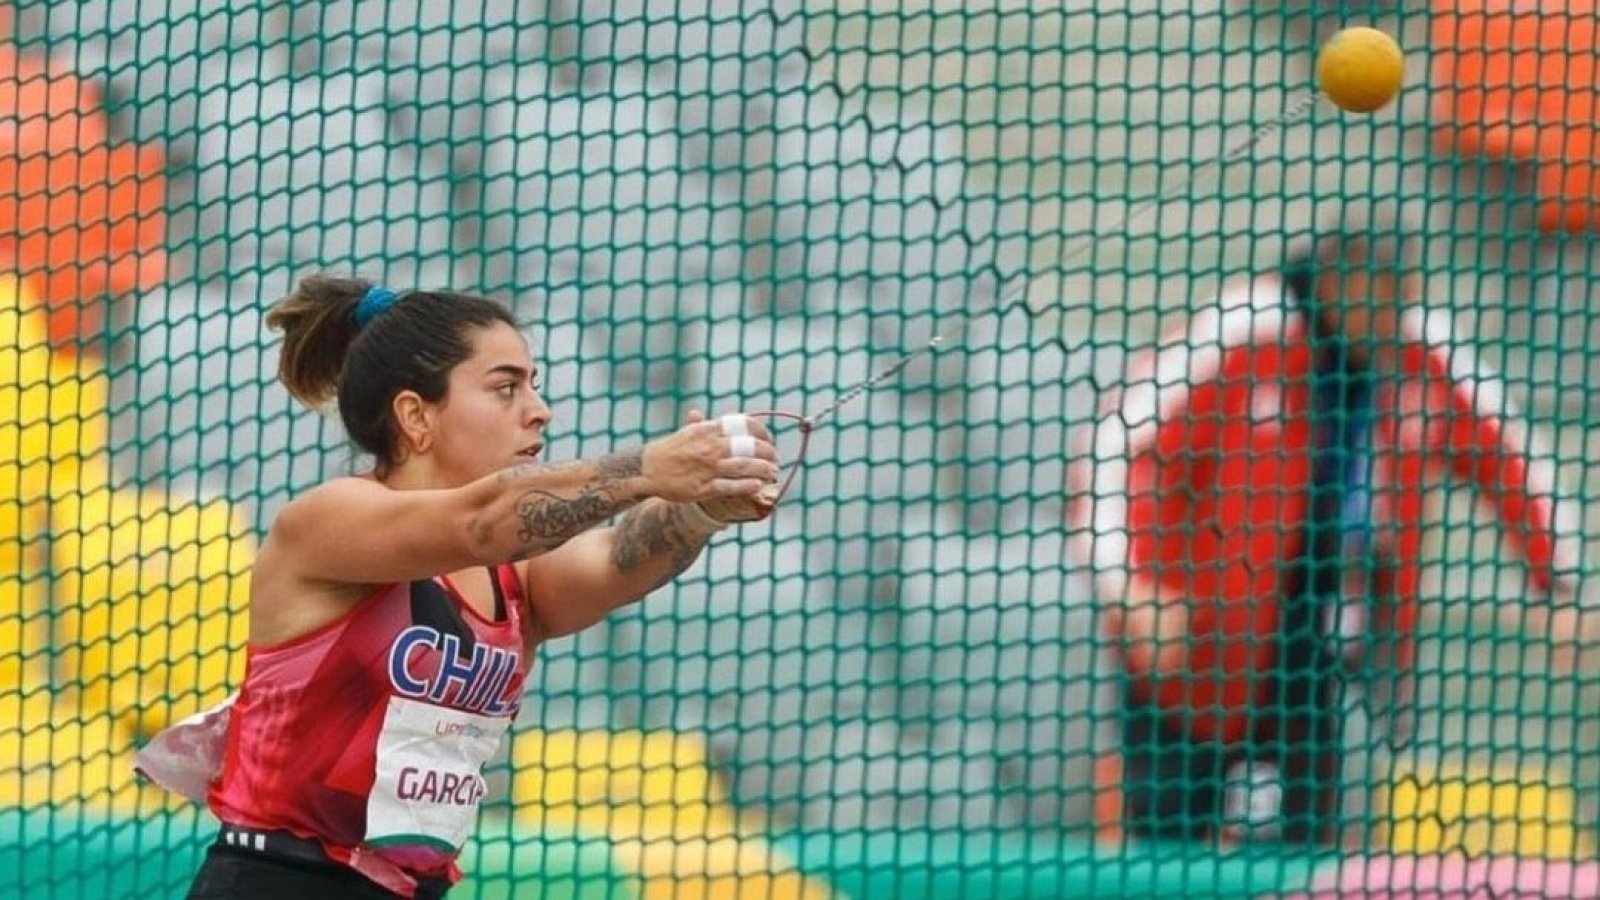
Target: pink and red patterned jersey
(369,734)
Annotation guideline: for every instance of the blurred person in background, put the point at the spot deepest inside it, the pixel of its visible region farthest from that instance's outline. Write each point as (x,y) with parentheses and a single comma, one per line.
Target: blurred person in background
(1251,510)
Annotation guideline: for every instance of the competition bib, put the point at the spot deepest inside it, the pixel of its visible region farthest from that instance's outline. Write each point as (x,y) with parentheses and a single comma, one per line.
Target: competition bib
(429,780)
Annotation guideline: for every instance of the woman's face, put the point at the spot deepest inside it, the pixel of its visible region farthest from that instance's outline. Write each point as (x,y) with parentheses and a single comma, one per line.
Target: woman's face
(492,415)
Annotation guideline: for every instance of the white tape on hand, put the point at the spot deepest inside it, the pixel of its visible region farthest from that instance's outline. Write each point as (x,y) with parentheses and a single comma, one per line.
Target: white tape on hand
(735,425)
(742,445)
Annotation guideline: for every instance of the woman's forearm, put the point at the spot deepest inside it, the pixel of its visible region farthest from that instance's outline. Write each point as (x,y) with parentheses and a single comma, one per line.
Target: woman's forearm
(656,541)
(533,508)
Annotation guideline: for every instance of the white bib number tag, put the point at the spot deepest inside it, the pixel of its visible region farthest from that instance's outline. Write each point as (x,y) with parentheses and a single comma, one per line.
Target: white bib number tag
(430,774)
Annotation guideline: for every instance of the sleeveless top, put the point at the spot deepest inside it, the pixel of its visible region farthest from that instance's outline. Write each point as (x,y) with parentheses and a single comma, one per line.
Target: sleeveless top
(369,734)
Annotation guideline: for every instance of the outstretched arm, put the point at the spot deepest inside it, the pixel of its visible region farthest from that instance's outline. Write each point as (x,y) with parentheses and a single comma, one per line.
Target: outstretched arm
(585,579)
(358,531)
(580,583)
(1469,421)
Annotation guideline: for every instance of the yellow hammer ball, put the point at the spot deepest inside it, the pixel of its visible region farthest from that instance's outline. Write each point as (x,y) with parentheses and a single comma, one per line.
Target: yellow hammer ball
(1360,69)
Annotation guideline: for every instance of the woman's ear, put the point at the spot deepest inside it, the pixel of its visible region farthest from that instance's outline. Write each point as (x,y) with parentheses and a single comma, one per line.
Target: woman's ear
(414,420)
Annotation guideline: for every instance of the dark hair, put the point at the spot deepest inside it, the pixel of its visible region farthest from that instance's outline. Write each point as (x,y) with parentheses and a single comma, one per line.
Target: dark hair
(412,344)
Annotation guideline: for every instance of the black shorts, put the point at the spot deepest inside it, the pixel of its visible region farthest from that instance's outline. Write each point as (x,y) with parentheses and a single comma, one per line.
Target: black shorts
(1283,788)
(239,873)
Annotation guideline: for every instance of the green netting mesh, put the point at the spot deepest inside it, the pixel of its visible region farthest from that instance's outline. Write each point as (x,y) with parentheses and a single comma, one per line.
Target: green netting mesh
(900,686)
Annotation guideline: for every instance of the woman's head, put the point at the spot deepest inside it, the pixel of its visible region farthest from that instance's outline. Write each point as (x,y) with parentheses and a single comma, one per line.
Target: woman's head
(439,375)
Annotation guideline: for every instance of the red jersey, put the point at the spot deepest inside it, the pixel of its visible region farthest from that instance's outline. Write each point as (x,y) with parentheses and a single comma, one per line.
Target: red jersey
(1199,475)
(369,734)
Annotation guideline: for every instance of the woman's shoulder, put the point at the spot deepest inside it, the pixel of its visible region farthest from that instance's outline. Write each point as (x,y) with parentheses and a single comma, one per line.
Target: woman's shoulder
(310,505)
(342,484)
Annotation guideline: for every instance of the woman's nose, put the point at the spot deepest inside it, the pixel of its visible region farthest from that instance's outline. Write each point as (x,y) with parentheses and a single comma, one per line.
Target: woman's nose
(538,411)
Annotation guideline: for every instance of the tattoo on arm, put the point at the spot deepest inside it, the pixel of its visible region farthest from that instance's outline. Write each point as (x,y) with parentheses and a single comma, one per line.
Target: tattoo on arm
(547,519)
(650,531)
(621,466)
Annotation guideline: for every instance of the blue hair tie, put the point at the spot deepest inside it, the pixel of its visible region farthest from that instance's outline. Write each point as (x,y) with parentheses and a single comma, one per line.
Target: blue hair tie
(375,302)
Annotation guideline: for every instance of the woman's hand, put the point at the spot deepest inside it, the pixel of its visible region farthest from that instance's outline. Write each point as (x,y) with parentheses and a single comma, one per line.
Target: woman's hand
(711,460)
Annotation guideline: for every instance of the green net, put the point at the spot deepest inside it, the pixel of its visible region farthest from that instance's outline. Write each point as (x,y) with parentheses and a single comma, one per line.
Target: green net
(900,686)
